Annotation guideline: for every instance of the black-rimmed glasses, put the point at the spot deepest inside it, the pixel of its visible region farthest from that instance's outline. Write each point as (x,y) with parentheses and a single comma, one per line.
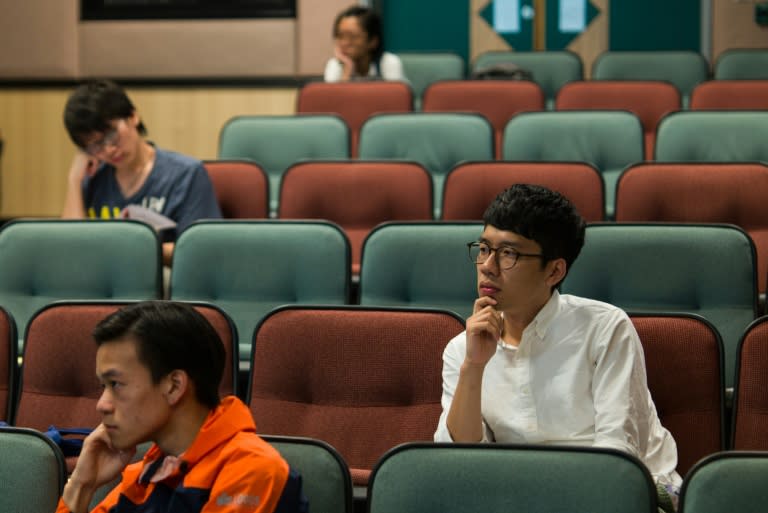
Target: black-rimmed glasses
(506,256)
(111,138)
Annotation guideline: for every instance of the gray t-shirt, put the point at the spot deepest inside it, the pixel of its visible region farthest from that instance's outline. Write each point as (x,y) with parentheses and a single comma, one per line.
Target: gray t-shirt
(178,187)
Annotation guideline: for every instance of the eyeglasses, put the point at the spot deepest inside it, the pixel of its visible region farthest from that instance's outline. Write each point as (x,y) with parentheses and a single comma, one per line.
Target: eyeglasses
(349,36)
(111,138)
(506,256)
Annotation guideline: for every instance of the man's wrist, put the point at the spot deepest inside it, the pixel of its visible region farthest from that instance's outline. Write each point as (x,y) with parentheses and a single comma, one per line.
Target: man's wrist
(77,495)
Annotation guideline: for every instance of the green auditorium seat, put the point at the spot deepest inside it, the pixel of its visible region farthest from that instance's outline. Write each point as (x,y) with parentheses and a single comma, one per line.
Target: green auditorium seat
(713,136)
(462,478)
(742,64)
(424,68)
(277,142)
(32,471)
(550,69)
(249,267)
(726,481)
(609,140)
(324,473)
(684,69)
(420,264)
(708,270)
(437,141)
(42,261)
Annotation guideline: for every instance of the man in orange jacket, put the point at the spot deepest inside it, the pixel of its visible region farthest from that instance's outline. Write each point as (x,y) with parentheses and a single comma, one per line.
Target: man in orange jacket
(160,364)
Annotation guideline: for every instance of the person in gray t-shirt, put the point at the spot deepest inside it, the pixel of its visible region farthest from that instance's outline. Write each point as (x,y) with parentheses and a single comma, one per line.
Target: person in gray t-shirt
(117,166)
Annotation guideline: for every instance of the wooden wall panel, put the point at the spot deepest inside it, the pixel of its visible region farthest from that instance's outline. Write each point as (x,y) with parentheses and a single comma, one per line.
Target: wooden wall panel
(193,48)
(733,26)
(38,38)
(314,24)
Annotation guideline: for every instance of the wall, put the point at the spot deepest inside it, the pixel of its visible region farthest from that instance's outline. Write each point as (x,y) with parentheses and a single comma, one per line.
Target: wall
(45,39)
(734,26)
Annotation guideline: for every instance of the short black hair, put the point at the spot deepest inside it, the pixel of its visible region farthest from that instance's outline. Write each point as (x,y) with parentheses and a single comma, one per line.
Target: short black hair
(93,106)
(169,336)
(369,20)
(542,215)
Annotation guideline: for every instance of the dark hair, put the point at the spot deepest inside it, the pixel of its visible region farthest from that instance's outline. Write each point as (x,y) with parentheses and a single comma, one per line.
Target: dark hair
(93,105)
(370,21)
(170,336)
(542,215)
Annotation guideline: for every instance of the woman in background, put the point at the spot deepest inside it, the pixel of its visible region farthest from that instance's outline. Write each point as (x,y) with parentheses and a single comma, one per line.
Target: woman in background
(359,51)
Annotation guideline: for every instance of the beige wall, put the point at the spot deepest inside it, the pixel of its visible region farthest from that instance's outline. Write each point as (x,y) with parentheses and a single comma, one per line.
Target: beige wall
(38,38)
(172,49)
(733,26)
(45,39)
(313,33)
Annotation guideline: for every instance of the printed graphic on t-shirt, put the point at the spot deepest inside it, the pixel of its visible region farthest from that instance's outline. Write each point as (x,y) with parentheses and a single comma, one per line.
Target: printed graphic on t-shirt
(153,203)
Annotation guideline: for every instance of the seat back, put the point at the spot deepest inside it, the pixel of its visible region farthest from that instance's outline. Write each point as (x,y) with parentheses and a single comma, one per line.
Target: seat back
(420,264)
(437,141)
(424,68)
(249,267)
(496,100)
(241,187)
(702,192)
(648,100)
(727,481)
(104,260)
(609,140)
(325,476)
(470,188)
(277,142)
(751,391)
(651,268)
(8,365)
(731,95)
(457,478)
(361,379)
(58,382)
(357,195)
(684,362)
(684,69)
(32,471)
(742,64)
(706,136)
(550,69)
(354,102)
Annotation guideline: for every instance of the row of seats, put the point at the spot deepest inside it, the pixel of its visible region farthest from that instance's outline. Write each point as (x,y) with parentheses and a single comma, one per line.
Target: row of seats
(500,100)
(366,379)
(358,195)
(446,478)
(247,268)
(552,69)
(608,140)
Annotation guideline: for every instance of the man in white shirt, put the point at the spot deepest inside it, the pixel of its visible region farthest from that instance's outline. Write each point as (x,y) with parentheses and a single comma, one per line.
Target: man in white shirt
(534,366)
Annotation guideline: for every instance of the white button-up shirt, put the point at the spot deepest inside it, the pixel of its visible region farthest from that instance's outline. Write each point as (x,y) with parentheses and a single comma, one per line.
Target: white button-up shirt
(577,377)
